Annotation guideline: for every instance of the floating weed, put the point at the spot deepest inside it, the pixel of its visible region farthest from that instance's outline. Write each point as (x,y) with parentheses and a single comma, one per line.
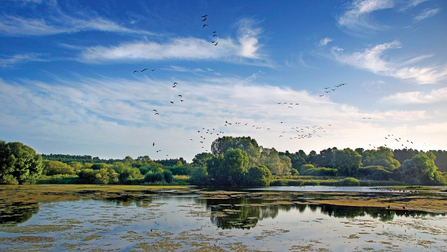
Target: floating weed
(26,239)
(33,229)
(92,237)
(164,245)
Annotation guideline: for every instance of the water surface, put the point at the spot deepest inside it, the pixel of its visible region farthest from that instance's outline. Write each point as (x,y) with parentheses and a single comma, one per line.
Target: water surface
(188,223)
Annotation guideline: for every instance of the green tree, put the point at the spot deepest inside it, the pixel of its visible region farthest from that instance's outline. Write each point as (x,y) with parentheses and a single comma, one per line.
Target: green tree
(235,163)
(202,158)
(222,144)
(281,164)
(258,176)
(421,169)
(18,162)
(56,167)
(383,157)
(199,177)
(347,161)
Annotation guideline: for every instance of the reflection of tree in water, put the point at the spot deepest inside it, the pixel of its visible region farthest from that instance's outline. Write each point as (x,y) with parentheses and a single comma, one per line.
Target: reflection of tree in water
(18,212)
(375,212)
(130,201)
(241,213)
(245,213)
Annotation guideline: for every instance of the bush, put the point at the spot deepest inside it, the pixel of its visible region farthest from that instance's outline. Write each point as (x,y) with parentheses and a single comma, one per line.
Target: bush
(199,177)
(168,176)
(349,182)
(154,177)
(374,172)
(294,172)
(320,171)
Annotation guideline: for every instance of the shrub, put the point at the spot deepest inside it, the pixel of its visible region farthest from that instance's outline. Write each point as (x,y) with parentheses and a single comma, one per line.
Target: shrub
(320,171)
(294,172)
(199,177)
(168,176)
(154,177)
(374,172)
(349,182)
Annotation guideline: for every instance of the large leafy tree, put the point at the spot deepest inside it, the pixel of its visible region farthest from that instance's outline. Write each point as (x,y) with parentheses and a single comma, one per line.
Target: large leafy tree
(347,161)
(235,162)
(383,157)
(420,169)
(18,162)
(258,176)
(202,158)
(228,169)
(222,144)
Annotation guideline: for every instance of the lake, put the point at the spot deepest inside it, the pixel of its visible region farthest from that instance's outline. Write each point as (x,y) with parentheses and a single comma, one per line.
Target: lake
(194,223)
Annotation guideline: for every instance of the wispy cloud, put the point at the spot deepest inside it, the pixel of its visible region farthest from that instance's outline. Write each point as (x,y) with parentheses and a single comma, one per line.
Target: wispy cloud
(435,96)
(56,22)
(324,41)
(182,69)
(370,59)
(357,15)
(120,111)
(20,58)
(412,3)
(188,48)
(427,13)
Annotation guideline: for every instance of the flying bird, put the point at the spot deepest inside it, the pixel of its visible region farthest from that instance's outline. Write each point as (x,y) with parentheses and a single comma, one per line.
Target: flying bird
(204,20)
(144,70)
(204,16)
(136,71)
(214,31)
(216,44)
(172,102)
(214,35)
(204,25)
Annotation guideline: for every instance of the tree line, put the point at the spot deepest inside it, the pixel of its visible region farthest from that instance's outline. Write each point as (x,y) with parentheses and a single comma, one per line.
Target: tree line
(234,161)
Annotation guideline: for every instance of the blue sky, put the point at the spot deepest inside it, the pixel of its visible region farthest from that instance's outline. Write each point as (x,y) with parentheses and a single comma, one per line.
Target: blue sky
(68,86)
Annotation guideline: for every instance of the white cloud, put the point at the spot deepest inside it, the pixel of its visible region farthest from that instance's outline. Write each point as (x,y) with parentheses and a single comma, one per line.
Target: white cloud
(427,13)
(439,95)
(181,48)
(412,3)
(359,10)
(120,112)
(183,69)
(370,59)
(323,42)
(59,23)
(20,58)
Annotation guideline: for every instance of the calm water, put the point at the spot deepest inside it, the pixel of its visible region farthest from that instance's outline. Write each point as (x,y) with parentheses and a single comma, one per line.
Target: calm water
(187,223)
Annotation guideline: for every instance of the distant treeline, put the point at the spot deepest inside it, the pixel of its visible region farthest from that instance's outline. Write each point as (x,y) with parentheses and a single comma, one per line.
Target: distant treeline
(64,158)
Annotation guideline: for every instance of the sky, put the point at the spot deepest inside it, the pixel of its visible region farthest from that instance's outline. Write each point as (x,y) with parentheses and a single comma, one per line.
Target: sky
(293,75)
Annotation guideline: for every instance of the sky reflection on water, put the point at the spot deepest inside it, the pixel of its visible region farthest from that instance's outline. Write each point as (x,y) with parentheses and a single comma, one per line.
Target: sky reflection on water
(187,223)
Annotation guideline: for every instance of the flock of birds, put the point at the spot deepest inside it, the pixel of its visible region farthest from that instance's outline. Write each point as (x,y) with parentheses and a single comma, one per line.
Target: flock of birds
(329,89)
(214,32)
(290,132)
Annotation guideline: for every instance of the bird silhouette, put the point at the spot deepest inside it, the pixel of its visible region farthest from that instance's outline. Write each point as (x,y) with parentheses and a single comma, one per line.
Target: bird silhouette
(204,20)
(216,44)
(214,35)
(204,16)
(204,25)
(144,70)
(136,71)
